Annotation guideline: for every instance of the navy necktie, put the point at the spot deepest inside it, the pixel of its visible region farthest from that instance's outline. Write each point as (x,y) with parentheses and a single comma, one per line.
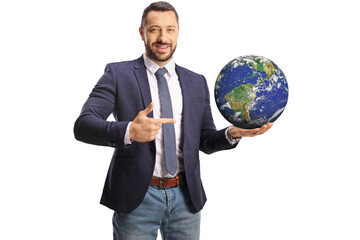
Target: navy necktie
(171,162)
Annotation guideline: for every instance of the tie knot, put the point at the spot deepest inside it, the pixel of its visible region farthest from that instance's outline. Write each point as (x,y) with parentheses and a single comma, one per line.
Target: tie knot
(160,72)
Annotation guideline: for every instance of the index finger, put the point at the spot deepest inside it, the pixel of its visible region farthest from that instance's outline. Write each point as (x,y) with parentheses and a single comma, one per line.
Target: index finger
(164,120)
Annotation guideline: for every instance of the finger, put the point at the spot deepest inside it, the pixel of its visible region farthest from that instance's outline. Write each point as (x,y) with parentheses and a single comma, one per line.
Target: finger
(262,130)
(149,109)
(268,126)
(251,132)
(265,128)
(164,120)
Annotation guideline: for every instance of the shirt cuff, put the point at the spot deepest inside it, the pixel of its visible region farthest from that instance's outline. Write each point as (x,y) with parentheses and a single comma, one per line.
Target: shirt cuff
(127,140)
(231,140)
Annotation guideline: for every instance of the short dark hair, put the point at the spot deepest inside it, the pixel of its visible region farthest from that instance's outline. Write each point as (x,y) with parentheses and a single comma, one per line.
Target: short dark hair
(157,6)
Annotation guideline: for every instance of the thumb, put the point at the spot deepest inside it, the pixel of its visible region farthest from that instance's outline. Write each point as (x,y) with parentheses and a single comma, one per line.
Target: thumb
(149,109)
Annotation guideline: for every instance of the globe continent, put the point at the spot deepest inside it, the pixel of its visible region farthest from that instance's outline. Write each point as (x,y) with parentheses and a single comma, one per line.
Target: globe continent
(251,91)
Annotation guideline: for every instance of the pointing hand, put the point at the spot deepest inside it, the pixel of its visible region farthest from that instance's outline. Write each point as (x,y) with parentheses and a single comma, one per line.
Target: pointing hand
(145,129)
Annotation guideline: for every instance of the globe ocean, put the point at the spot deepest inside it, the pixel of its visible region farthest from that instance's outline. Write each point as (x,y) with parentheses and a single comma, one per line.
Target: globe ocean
(251,91)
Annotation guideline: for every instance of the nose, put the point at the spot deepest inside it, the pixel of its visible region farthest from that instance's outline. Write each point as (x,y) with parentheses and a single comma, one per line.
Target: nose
(162,36)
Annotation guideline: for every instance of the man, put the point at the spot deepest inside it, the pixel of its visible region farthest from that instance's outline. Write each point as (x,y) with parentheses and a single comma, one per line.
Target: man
(163,119)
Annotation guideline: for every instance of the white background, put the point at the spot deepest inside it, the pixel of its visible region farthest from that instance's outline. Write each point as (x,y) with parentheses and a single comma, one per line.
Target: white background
(299,181)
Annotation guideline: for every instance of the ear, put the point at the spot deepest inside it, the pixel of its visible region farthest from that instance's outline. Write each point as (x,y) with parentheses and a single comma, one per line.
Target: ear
(141,33)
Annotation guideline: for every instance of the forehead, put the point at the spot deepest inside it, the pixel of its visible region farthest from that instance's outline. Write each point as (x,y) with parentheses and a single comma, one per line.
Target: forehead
(167,18)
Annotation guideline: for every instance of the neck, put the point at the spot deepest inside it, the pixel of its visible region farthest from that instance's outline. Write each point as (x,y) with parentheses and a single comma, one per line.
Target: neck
(159,63)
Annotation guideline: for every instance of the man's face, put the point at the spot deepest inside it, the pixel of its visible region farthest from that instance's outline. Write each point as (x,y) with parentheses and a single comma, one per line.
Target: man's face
(160,36)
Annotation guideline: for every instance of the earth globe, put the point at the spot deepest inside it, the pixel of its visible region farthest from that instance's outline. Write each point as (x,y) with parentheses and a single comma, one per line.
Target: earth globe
(251,91)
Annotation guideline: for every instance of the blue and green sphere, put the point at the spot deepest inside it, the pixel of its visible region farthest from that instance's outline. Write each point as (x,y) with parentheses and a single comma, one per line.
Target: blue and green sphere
(251,91)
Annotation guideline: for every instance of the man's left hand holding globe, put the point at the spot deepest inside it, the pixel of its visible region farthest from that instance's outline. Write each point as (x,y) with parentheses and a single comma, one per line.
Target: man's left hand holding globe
(236,132)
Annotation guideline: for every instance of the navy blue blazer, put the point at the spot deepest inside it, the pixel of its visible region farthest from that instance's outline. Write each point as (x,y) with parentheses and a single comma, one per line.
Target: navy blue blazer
(124,91)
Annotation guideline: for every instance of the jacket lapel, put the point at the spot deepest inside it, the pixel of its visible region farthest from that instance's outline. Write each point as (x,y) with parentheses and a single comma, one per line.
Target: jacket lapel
(185,89)
(186,92)
(142,79)
(141,76)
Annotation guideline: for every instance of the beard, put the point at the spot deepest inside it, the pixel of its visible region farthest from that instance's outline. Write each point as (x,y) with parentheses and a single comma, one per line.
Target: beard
(159,57)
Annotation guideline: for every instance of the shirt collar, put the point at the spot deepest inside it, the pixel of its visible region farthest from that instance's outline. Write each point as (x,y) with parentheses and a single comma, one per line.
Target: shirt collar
(153,67)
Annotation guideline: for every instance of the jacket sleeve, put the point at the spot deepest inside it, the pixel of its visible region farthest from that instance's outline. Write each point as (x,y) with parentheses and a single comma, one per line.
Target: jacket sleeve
(92,125)
(212,140)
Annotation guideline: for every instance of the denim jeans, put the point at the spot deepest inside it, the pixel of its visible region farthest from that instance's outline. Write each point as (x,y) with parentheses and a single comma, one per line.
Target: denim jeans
(169,210)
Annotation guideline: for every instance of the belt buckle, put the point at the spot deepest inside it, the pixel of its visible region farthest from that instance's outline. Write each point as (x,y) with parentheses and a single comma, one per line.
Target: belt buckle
(161,183)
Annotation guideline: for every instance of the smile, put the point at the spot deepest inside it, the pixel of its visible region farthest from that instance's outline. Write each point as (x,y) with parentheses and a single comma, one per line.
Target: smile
(162,47)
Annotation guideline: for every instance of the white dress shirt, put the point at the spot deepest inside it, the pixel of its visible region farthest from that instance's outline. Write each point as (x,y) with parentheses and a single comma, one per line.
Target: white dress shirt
(177,106)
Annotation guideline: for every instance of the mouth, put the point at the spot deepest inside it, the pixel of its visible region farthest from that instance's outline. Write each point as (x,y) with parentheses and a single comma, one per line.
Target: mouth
(160,47)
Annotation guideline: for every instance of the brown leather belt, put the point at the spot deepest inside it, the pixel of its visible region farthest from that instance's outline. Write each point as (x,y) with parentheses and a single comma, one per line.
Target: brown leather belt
(166,182)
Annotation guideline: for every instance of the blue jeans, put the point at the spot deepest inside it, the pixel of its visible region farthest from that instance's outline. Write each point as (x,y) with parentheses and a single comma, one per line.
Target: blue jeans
(169,210)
